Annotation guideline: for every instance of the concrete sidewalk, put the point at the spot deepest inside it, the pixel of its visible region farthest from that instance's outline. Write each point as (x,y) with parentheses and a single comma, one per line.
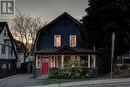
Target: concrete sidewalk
(92,82)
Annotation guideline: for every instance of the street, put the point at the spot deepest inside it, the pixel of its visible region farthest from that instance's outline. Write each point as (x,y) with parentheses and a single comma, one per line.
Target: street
(20,80)
(26,80)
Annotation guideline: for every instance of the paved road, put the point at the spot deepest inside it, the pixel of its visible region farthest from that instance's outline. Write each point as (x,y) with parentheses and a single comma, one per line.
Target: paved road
(25,80)
(20,80)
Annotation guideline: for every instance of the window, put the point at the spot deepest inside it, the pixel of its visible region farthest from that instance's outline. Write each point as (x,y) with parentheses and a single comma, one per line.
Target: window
(11,51)
(5,33)
(72,40)
(3,49)
(3,66)
(57,40)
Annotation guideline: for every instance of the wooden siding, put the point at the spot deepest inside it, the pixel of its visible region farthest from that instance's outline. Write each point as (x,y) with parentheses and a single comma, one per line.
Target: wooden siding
(64,27)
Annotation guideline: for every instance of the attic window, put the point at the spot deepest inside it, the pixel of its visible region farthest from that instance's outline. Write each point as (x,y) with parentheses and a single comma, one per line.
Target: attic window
(57,40)
(72,40)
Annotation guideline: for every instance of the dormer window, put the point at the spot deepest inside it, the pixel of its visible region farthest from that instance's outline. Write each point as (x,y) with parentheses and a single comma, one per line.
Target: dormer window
(57,40)
(72,40)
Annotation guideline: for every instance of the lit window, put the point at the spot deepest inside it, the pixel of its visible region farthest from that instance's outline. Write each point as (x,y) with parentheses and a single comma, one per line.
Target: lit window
(72,40)
(57,40)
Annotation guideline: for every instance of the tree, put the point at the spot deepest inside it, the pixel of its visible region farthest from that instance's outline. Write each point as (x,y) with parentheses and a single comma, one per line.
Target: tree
(104,17)
(24,29)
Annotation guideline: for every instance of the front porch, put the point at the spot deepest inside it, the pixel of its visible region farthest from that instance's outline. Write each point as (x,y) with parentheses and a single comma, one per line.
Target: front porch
(48,62)
(59,61)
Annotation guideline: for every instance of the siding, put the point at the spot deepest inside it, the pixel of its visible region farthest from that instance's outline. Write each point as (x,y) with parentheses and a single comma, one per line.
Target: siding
(64,27)
(7,55)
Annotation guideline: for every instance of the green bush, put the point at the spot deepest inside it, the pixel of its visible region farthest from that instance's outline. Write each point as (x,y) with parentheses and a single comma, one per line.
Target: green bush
(72,70)
(72,73)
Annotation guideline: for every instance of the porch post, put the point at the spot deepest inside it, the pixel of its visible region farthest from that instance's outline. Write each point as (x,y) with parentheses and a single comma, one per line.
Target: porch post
(88,61)
(62,60)
(94,61)
(54,61)
(34,68)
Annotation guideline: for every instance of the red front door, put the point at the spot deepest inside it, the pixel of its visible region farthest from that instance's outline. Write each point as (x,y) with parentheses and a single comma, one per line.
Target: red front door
(45,68)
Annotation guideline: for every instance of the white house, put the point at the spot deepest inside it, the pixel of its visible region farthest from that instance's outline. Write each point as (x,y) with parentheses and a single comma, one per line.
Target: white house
(8,54)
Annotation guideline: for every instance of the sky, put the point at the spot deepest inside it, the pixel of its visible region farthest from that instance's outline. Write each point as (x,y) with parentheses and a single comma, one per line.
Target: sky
(50,9)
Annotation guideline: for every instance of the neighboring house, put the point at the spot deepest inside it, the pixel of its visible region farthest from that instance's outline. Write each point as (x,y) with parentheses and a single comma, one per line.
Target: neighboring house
(58,43)
(21,51)
(123,59)
(8,54)
(24,59)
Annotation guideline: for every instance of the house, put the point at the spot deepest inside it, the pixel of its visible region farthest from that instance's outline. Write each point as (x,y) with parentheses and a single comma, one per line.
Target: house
(8,54)
(123,59)
(59,42)
(24,60)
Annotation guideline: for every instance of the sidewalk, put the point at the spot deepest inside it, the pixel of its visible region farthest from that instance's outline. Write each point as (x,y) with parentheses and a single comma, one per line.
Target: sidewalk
(92,82)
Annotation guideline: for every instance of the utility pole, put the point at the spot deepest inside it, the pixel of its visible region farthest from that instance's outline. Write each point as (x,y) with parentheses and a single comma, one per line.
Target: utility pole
(112,52)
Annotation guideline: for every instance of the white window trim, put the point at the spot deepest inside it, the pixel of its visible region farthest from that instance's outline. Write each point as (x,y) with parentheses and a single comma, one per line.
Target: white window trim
(75,41)
(55,41)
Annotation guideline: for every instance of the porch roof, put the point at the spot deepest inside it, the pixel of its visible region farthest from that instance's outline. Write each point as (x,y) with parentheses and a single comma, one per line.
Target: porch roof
(65,50)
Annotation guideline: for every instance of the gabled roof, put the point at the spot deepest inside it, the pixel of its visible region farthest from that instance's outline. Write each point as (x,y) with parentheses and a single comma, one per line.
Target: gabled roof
(2,25)
(65,14)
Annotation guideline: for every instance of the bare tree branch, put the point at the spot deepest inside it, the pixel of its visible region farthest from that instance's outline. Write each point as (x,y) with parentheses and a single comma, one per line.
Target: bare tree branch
(24,29)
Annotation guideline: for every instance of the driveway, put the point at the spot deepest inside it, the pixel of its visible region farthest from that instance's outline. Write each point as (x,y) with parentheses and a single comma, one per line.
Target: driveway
(20,80)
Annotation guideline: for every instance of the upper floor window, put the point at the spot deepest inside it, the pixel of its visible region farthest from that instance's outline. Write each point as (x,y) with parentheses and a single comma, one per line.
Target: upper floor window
(57,40)
(3,49)
(72,40)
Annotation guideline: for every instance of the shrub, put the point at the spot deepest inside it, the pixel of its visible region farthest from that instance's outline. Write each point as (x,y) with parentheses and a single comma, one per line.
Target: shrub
(72,70)
(123,67)
(72,73)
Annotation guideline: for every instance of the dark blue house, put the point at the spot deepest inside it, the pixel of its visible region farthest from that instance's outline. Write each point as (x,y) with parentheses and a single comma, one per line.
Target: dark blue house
(58,43)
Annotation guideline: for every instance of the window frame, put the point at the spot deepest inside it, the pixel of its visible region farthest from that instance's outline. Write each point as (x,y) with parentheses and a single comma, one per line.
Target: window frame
(55,40)
(74,42)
